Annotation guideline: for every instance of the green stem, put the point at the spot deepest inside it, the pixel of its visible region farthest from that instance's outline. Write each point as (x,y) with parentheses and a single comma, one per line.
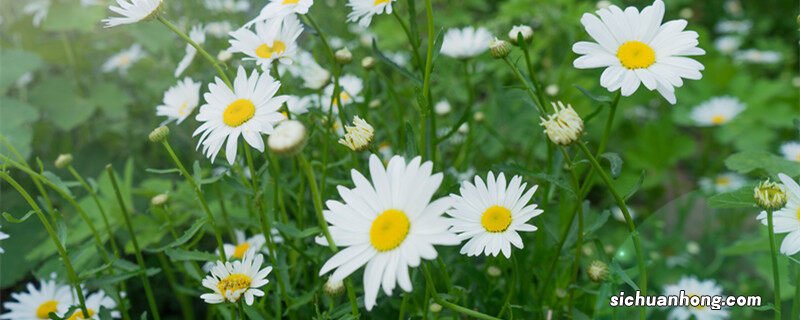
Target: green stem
(99,207)
(73,277)
(411,39)
(775,271)
(531,74)
(430,149)
(203,203)
(200,49)
(528,89)
(138,252)
(185,305)
(796,302)
(631,227)
(452,306)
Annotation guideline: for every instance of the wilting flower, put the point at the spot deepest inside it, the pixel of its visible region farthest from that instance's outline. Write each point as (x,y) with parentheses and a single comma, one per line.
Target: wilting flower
(563,127)
(717,111)
(635,48)
(274,39)
(358,136)
(232,280)
(123,60)
(132,11)
(491,214)
(787,219)
(388,223)
(691,287)
(791,151)
(180,100)
(198,35)
(364,10)
(39,303)
(466,43)
(249,109)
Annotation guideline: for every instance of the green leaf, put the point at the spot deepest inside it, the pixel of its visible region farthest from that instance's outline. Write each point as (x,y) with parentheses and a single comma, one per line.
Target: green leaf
(411,141)
(17,119)
(594,97)
(749,161)
(190,255)
(56,180)
(16,63)
(636,186)
(616,163)
(111,100)
(11,218)
(741,198)
(293,232)
(118,277)
(187,235)
(391,63)
(57,98)
(64,16)
(163,171)
(555,180)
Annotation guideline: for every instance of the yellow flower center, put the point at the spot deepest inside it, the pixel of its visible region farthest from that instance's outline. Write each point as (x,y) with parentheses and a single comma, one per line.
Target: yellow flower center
(290,1)
(266,52)
(389,230)
(240,250)
(695,307)
(378,2)
(344,98)
(636,55)
(798,213)
(79,314)
(238,112)
(234,282)
(45,308)
(797,157)
(496,219)
(182,108)
(718,119)
(723,181)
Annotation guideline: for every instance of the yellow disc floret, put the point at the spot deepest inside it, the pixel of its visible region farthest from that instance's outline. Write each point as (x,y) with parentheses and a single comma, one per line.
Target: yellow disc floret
(233,283)
(240,250)
(266,52)
(44,309)
(496,219)
(636,55)
(238,112)
(389,230)
(79,314)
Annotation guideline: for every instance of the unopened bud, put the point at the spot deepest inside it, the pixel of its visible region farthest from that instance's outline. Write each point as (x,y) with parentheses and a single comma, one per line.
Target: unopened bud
(343,56)
(435,308)
(597,271)
(493,271)
(333,288)
(526,31)
(288,138)
(374,103)
(769,195)
(563,127)
(159,134)
(159,200)
(499,48)
(368,63)
(63,160)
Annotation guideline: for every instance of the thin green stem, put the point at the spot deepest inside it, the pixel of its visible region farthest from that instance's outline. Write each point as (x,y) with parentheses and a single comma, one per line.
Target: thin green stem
(413,41)
(531,74)
(631,227)
(775,270)
(528,89)
(100,208)
(185,304)
(137,250)
(427,112)
(200,49)
(196,187)
(452,306)
(796,302)
(73,277)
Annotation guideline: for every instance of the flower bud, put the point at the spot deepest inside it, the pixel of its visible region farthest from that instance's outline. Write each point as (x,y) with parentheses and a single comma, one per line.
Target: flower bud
(597,271)
(343,56)
(159,134)
(563,127)
(499,48)
(368,63)
(526,31)
(551,90)
(375,103)
(479,116)
(224,55)
(769,195)
(435,308)
(63,160)
(442,108)
(333,288)
(288,138)
(358,136)
(159,200)
(493,271)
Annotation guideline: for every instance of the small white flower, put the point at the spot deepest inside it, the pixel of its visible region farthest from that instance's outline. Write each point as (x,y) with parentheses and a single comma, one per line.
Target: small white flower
(722,183)
(123,60)
(24,80)
(3,236)
(94,302)
(364,10)
(756,56)
(387,224)
(297,105)
(526,31)
(227,5)
(349,92)
(358,136)
(224,55)
(727,44)
(791,151)
(635,48)
(564,126)
(280,9)
(551,89)
(250,109)
(232,280)
(442,107)
(693,287)
(787,220)
(738,27)
(257,242)
(314,76)
(180,100)
(717,111)
(198,35)
(132,11)
(288,138)
(37,303)
(219,29)
(466,43)
(38,9)
(274,39)
(491,214)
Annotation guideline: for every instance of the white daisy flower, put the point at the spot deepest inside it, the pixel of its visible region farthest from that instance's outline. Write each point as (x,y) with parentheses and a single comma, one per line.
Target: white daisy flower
(727,44)
(349,92)
(180,100)
(491,214)
(314,76)
(722,183)
(787,220)
(691,286)
(364,10)
(273,39)
(466,43)
(123,60)
(791,151)
(232,280)
(756,56)
(38,9)
(94,302)
(717,111)
(227,5)
(298,105)
(3,236)
(132,11)
(635,48)
(38,303)
(249,109)
(219,29)
(388,223)
(198,35)
(280,9)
